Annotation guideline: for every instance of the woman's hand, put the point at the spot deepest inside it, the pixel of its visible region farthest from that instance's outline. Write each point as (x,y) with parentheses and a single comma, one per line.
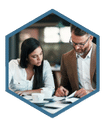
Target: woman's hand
(21,93)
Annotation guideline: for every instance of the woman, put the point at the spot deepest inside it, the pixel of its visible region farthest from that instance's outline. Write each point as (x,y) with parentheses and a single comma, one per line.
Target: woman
(30,73)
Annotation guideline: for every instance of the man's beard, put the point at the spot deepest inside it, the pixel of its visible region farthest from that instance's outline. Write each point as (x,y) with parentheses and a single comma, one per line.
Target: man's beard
(83,52)
(80,54)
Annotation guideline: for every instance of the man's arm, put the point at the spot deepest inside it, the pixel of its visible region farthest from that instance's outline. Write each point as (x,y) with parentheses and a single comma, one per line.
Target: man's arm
(63,90)
(64,77)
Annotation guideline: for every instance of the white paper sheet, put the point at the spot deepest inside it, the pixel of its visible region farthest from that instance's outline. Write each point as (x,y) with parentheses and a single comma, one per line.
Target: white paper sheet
(60,98)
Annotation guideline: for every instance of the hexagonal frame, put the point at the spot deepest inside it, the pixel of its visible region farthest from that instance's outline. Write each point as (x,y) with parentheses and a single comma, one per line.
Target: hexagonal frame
(70,21)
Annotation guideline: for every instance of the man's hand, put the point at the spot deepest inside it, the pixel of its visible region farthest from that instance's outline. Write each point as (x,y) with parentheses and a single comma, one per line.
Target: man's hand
(82,92)
(61,91)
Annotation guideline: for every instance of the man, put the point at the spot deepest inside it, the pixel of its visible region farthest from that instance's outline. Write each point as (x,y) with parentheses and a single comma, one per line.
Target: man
(78,66)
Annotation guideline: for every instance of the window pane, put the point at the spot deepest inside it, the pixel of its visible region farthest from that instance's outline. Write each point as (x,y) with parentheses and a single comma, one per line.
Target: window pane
(51,34)
(65,34)
(56,34)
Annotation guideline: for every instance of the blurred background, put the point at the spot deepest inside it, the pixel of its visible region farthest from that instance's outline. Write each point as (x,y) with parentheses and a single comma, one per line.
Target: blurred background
(53,33)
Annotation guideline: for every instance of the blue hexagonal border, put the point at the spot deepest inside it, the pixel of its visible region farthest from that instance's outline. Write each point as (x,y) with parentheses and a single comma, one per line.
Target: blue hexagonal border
(70,21)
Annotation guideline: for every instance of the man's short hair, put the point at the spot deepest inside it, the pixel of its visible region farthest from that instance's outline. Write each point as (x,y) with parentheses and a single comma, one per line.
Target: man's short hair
(77,31)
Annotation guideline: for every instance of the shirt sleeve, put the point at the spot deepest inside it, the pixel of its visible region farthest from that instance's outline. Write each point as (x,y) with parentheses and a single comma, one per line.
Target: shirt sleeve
(48,77)
(11,70)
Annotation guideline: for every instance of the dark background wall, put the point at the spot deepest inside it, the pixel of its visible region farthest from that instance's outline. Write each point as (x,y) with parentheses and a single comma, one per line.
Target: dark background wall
(52,51)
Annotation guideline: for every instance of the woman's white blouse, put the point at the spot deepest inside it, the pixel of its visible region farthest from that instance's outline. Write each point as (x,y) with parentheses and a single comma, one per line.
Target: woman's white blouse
(18,77)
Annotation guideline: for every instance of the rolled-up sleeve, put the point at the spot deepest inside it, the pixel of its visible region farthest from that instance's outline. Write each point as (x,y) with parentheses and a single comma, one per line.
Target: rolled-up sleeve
(11,73)
(48,77)
(11,70)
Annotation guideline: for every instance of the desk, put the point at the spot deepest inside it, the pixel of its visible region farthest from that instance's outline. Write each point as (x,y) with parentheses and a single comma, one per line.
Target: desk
(58,103)
(54,107)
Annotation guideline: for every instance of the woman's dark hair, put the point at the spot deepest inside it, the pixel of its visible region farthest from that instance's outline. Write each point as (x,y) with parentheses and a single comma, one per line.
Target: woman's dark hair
(27,47)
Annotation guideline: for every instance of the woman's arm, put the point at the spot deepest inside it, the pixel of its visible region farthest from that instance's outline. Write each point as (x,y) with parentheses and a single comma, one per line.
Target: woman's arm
(48,77)
(27,92)
(11,72)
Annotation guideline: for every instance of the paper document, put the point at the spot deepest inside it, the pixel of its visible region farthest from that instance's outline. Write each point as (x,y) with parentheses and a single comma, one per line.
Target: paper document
(60,103)
(55,98)
(71,97)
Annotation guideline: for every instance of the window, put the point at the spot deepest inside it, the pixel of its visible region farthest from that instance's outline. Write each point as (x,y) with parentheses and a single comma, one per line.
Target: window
(56,34)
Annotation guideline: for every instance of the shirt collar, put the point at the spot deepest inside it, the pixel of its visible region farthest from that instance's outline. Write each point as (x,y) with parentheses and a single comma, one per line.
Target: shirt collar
(87,56)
